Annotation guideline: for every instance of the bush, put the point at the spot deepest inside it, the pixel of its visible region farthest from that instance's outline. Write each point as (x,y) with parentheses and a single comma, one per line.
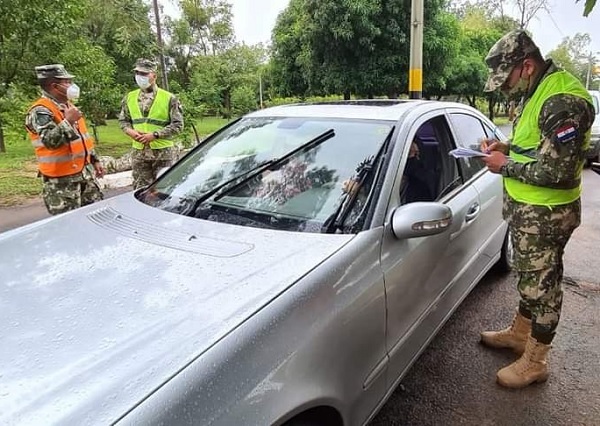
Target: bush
(13,109)
(243,100)
(295,100)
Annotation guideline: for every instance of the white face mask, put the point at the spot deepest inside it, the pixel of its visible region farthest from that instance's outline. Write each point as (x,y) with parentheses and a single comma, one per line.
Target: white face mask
(73,92)
(143,81)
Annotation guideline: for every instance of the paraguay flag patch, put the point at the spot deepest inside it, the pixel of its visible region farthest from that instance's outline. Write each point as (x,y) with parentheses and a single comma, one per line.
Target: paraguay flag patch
(566,133)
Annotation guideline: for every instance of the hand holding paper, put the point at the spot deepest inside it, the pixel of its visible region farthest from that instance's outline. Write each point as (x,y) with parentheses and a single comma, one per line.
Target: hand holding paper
(467,153)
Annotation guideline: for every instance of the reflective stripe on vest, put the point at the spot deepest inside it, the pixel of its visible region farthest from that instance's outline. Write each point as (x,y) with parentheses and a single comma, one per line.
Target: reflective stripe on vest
(527,137)
(158,117)
(67,159)
(37,142)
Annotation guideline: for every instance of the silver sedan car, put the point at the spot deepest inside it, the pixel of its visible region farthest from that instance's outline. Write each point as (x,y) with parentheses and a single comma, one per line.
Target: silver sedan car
(287,271)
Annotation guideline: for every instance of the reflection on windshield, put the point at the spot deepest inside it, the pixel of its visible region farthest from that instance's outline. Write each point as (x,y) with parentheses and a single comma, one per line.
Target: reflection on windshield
(298,194)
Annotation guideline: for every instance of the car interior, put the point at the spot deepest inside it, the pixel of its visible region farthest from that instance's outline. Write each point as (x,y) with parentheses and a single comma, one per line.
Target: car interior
(431,172)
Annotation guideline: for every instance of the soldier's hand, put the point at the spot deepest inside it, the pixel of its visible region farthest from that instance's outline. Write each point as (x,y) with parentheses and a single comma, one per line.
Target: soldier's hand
(490,145)
(98,169)
(132,133)
(72,114)
(145,138)
(495,161)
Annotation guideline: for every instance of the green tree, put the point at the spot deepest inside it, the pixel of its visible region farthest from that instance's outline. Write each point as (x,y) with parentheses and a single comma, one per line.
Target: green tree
(290,65)
(573,55)
(357,47)
(217,78)
(31,35)
(588,6)
(94,72)
(205,28)
(122,29)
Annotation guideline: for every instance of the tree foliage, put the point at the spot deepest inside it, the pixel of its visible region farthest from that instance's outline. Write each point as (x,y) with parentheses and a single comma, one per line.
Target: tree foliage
(205,28)
(574,55)
(357,47)
(588,6)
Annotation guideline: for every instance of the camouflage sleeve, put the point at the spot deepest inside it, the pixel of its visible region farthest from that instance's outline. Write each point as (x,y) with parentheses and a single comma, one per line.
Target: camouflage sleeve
(94,156)
(563,122)
(41,121)
(176,124)
(124,117)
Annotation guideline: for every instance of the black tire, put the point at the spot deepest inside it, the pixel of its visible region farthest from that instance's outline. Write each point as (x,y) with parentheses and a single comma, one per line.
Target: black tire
(506,261)
(302,422)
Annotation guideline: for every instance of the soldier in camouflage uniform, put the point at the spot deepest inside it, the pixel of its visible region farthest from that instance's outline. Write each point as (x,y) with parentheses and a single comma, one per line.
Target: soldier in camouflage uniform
(542,168)
(150,116)
(67,162)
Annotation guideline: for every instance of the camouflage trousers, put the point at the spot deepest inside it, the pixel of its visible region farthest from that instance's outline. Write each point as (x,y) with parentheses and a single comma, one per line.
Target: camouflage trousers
(146,163)
(539,236)
(70,192)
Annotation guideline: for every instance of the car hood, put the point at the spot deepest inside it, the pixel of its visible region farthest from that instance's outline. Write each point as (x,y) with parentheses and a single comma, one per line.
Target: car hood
(102,305)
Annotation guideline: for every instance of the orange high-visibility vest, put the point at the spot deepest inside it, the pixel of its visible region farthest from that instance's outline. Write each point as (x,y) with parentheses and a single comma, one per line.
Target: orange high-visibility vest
(70,157)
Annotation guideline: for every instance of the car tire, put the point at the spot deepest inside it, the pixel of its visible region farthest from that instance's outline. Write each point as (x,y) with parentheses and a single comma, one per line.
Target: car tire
(507,257)
(302,422)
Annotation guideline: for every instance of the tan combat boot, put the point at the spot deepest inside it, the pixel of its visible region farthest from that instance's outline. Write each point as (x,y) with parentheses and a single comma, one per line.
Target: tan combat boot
(513,337)
(531,367)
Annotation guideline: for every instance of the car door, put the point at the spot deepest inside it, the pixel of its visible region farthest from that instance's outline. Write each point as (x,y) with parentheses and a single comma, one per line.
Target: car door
(468,129)
(425,277)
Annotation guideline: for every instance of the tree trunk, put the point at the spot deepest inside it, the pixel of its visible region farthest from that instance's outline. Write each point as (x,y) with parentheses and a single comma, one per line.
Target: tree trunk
(2,145)
(227,104)
(491,108)
(346,95)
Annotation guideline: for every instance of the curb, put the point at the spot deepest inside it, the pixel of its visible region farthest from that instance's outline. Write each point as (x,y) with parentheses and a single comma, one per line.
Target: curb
(116,180)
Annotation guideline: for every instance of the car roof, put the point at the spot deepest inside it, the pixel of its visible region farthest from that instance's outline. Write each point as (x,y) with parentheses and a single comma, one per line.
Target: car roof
(377,109)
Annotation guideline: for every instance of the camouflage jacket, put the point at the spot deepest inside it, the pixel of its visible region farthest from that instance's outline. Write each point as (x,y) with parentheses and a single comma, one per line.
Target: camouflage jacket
(558,162)
(145,102)
(40,120)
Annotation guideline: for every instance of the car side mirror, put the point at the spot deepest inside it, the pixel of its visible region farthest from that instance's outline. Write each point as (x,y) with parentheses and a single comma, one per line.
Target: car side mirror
(420,219)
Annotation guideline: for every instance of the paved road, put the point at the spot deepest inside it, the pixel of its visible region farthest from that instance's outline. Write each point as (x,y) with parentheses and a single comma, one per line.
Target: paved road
(33,210)
(453,382)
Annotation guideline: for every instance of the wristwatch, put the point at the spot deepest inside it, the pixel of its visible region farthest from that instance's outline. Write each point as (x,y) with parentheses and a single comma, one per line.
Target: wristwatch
(155,134)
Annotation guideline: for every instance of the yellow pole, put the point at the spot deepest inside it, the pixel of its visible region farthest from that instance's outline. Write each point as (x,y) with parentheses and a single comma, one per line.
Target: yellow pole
(415,75)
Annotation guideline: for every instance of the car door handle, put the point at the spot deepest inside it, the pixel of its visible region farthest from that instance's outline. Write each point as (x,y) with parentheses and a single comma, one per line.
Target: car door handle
(473,212)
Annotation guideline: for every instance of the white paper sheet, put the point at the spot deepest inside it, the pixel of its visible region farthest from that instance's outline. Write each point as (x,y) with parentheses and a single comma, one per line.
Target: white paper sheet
(467,153)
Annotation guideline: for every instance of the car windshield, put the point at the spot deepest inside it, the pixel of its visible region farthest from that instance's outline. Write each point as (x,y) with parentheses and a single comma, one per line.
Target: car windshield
(299,193)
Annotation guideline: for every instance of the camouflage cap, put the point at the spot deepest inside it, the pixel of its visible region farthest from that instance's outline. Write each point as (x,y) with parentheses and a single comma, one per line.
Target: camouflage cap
(52,71)
(511,49)
(145,65)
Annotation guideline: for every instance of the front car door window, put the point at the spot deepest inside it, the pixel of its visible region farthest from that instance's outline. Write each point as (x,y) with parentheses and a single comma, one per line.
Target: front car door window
(469,131)
(429,173)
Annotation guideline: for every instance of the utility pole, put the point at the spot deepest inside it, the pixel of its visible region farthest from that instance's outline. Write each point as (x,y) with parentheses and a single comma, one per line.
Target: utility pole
(415,76)
(161,56)
(260,89)
(589,71)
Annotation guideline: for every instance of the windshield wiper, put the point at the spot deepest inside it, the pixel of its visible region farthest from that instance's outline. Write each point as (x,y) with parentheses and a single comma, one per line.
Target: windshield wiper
(364,169)
(235,182)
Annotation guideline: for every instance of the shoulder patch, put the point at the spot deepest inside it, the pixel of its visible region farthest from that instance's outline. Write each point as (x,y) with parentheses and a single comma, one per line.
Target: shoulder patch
(566,133)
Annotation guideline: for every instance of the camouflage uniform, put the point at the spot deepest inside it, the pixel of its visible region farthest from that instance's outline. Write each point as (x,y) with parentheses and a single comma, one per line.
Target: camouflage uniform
(540,233)
(61,194)
(147,162)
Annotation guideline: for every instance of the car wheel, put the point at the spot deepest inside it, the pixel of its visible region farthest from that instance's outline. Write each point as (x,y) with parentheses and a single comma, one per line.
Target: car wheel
(302,422)
(507,255)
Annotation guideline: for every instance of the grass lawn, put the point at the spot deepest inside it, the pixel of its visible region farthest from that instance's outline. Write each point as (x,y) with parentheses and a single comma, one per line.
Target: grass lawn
(501,121)
(18,168)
